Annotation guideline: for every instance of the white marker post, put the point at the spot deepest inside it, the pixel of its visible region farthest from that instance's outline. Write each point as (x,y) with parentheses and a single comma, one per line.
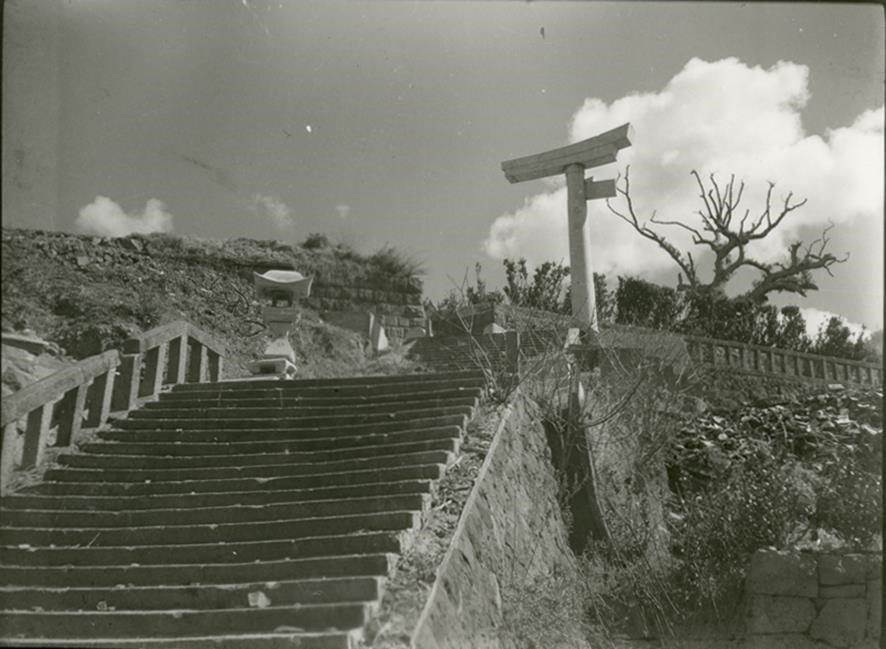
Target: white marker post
(572,161)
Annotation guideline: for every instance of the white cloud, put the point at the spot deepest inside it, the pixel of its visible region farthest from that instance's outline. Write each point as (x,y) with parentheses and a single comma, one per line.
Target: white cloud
(343,210)
(818,318)
(720,117)
(106,218)
(272,208)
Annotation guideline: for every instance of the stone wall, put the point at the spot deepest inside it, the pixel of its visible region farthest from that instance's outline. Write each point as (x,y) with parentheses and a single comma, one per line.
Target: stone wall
(510,536)
(811,600)
(396,303)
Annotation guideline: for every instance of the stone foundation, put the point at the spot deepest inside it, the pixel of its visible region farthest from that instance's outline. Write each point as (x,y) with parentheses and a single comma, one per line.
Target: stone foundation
(804,600)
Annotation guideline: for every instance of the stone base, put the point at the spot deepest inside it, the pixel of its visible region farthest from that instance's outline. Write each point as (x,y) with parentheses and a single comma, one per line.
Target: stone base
(279,368)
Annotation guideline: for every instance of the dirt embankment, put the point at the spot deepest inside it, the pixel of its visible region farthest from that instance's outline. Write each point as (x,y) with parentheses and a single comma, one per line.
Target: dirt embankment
(88,294)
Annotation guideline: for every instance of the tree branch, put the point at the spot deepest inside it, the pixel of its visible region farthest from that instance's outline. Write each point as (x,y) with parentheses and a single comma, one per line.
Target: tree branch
(729,246)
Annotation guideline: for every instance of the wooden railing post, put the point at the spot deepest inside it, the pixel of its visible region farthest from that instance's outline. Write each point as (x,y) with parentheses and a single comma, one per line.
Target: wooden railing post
(152,380)
(178,360)
(99,402)
(71,415)
(7,455)
(215,365)
(126,384)
(36,433)
(196,362)
(512,351)
(110,381)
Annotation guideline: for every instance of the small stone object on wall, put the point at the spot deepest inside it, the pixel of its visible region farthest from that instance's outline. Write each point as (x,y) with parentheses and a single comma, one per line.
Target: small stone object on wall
(811,598)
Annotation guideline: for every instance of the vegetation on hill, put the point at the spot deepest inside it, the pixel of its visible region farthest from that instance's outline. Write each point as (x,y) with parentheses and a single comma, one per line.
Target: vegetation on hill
(691,473)
(641,303)
(88,294)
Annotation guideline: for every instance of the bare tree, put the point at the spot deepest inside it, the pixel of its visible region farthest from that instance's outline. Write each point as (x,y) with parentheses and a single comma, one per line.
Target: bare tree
(728,236)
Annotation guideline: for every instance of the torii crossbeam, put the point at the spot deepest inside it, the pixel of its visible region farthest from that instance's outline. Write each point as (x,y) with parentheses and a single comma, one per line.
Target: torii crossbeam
(572,160)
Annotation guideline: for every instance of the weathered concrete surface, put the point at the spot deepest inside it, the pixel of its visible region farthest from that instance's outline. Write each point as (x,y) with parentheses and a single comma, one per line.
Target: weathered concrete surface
(804,600)
(844,569)
(25,359)
(841,622)
(781,614)
(783,573)
(510,537)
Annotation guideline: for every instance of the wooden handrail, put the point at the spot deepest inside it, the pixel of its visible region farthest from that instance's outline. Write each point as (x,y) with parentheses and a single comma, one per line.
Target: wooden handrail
(54,386)
(111,381)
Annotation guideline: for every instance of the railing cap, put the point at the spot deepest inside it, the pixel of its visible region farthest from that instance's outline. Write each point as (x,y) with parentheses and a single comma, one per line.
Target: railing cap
(54,386)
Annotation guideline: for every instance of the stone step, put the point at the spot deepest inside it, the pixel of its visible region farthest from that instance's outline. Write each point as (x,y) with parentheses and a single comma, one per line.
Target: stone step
(237,421)
(270,434)
(211,532)
(108,459)
(252,447)
(414,379)
(156,474)
(299,640)
(190,575)
(186,501)
(110,624)
(233,400)
(199,553)
(418,472)
(211,392)
(269,408)
(303,491)
(220,596)
(61,518)
(90,459)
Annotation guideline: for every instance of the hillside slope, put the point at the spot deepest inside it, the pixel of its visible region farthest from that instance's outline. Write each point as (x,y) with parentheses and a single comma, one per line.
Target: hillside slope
(88,294)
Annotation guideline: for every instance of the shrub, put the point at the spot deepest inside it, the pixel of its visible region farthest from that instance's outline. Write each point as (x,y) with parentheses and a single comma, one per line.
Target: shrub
(390,262)
(756,506)
(315,241)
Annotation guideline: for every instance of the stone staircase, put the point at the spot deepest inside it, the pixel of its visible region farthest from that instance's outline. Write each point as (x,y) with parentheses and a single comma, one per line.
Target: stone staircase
(254,513)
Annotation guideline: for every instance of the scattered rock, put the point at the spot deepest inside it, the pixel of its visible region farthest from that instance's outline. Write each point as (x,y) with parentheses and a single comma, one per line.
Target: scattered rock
(257,599)
(131,244)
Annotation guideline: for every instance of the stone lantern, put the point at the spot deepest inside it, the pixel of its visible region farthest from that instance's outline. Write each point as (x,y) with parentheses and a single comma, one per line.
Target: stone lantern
(281,287)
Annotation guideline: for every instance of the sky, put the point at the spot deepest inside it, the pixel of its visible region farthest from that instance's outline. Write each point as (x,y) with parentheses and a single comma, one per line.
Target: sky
(383,123)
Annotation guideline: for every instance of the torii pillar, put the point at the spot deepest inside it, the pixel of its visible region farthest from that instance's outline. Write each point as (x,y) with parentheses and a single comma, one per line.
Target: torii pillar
(572,161)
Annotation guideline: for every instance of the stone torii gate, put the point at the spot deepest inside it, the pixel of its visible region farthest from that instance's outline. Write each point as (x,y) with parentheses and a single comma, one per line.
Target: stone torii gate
(572,160)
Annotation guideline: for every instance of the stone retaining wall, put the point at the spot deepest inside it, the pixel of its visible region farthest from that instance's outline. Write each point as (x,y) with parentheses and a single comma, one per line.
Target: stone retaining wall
(809,600)
(510,536)
(396,303)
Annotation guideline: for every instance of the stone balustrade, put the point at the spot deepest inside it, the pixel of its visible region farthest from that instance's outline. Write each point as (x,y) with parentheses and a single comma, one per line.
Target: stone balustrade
(757,359)
(83,396)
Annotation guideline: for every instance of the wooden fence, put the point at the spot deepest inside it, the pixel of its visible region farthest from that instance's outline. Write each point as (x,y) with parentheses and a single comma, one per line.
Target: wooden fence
(83,396)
